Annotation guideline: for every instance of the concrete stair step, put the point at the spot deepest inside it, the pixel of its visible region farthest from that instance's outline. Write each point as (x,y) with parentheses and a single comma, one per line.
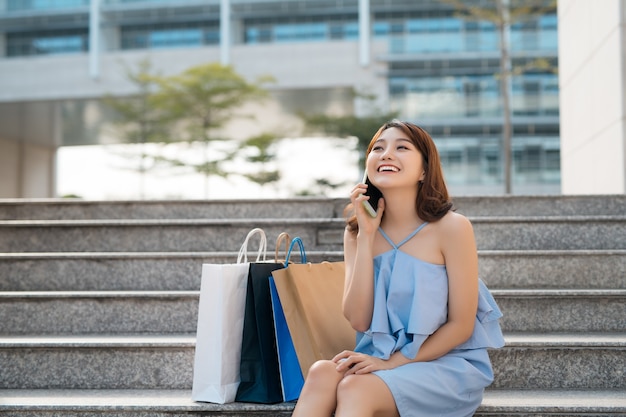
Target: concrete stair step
(166,312)
(542,205)
(110,271)
(98,312)
(55,209)
(528,361)
(174,403)
(97,362)
(492,233)
(559,310)
(49,209)
(170,271)
(599,269)
(544,361)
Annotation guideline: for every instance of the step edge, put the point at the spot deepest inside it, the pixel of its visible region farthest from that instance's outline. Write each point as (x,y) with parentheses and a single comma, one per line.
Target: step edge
(317,253)
(512,340)
(180,400)
(285,221)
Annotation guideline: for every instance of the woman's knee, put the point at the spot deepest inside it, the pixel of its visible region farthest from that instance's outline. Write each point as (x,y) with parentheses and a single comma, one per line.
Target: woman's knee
(322,372)
(350,387)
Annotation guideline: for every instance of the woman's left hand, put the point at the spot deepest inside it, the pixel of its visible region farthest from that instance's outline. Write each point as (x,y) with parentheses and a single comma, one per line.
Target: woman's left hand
(351,362)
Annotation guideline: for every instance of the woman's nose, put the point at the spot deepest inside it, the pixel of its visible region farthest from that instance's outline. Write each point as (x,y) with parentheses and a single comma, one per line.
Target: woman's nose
(387,154)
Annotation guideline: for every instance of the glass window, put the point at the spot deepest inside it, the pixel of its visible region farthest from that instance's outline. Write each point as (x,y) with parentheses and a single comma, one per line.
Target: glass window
(444,97)
(258,35)
(337,28)
(535,94)
(478,161)
(300,32)
(175,37)
(380,29)
(169,36)
(14,5)
(548,21)
(45,43)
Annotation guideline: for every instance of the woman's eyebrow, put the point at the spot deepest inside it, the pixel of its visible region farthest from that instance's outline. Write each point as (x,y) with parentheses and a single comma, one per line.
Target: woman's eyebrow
(394,140)
(403,139)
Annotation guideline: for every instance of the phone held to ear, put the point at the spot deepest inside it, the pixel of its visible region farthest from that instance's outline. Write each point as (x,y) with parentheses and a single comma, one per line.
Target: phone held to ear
(371,205)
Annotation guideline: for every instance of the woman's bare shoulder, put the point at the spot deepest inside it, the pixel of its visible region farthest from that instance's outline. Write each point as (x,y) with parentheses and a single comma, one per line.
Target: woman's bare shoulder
(454,223)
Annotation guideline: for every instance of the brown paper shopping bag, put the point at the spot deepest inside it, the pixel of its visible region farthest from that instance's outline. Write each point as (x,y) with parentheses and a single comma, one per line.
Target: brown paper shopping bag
(311,296)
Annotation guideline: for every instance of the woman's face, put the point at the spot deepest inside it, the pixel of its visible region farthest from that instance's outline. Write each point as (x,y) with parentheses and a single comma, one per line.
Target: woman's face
(394,161)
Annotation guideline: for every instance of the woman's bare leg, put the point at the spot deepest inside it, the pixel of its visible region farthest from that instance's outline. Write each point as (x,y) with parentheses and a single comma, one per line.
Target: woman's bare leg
(363,396)
(319,394)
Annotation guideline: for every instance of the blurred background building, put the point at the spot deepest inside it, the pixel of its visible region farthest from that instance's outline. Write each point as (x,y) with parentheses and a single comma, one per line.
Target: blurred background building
(58,58)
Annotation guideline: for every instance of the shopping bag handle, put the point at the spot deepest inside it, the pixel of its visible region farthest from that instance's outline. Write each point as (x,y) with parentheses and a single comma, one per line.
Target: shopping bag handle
(243,251)
(296,240)
(283,236)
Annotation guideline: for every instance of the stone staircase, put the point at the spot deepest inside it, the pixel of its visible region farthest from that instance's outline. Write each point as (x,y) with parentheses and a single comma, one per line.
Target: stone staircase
(98,300)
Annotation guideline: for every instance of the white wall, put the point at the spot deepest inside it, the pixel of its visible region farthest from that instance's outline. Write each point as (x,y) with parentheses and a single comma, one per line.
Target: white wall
(592,93)
(26,170)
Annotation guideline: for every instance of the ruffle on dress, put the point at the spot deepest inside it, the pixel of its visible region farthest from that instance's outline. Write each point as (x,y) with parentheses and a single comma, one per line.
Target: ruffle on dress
(487,332)
(411,303)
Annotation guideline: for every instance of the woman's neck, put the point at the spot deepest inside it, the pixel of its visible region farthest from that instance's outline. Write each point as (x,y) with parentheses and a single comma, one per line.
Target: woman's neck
(400,210)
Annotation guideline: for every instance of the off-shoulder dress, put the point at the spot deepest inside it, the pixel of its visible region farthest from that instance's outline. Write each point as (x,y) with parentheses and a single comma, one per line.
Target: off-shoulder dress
(411,303)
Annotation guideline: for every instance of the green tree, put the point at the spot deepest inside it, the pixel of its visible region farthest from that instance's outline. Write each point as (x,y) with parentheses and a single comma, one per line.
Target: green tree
(259,149)
(204,99)
(503,13)
(141,118)
(319,187)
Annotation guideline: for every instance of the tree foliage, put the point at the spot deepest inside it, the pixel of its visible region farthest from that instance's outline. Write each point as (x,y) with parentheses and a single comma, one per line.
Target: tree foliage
(141,118)
(205,98)
(259,151)
(195,107)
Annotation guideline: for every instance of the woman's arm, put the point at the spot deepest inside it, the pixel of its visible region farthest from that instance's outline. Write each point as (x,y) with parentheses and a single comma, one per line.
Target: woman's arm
(358,296)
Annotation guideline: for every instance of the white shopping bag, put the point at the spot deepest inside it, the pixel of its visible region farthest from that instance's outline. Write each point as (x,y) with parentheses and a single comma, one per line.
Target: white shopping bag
(220,326)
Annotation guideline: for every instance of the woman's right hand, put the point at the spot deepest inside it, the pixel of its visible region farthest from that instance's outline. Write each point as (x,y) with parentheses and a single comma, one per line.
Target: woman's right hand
(368,225)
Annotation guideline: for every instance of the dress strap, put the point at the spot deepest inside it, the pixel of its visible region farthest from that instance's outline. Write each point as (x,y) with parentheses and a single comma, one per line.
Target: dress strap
(409,237)
(387,238)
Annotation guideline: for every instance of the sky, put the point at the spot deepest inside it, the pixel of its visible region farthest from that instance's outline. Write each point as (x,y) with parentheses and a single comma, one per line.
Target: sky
(107,172)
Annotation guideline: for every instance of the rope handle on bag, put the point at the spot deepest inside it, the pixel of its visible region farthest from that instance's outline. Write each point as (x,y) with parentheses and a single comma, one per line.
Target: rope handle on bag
(296,240)
(283,236)
(243,251)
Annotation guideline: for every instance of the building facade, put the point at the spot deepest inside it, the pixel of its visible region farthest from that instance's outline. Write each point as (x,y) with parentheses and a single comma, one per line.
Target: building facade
(58,58)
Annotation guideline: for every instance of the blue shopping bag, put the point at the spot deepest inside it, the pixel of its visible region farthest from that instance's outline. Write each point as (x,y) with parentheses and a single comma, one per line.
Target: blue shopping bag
(291,376)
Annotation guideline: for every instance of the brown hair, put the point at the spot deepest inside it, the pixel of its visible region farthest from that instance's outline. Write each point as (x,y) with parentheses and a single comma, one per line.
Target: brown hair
(432,201)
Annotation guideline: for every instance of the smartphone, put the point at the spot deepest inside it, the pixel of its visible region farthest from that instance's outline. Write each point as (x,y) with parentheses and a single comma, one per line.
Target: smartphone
(374,194)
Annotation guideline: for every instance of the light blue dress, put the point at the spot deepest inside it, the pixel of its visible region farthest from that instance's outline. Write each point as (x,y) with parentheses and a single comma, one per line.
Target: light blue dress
(411,303)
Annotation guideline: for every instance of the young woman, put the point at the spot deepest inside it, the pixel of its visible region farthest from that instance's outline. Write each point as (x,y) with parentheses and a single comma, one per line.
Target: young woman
(423,318)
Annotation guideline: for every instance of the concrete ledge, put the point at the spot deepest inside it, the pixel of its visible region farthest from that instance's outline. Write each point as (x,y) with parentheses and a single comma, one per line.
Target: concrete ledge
(318,234)
(502,403)
(532,205)
(528,361)
(162,271)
